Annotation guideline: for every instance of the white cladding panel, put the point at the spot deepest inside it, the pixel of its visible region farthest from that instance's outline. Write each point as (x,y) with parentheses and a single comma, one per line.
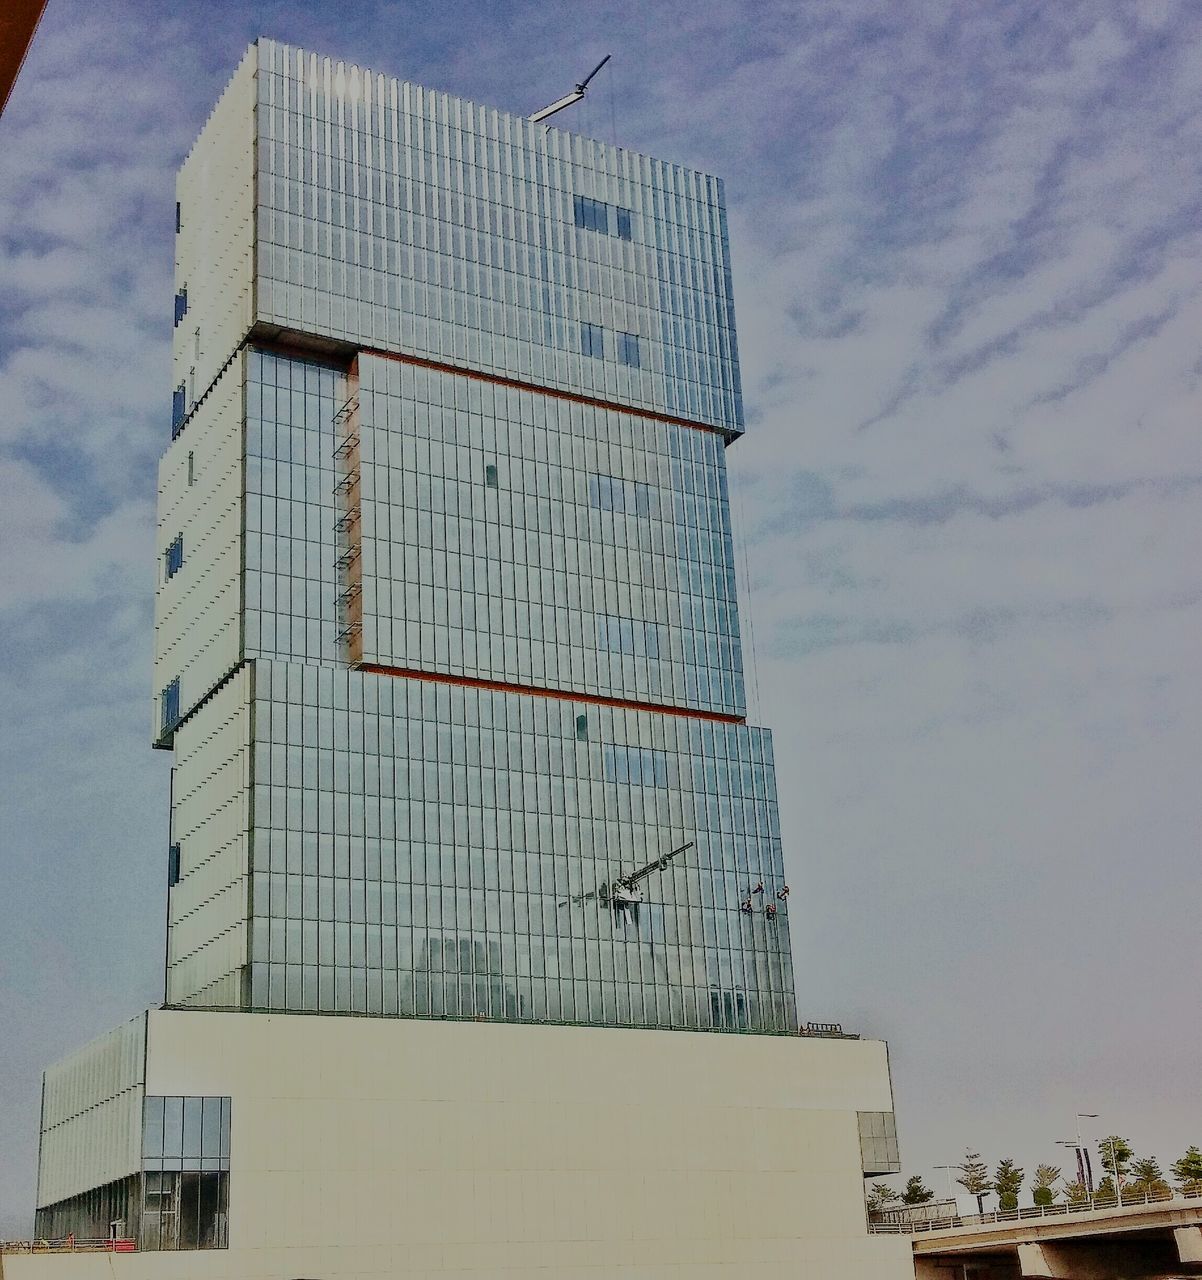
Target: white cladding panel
(214,247)
(198,622)
(92,1114)
(206,932)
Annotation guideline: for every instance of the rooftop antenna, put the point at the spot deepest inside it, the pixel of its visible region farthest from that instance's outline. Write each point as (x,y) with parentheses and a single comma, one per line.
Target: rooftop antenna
(575,96)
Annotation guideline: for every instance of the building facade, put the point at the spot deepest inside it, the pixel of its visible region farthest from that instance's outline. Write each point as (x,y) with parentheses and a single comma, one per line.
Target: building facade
(447,640)
(447,653)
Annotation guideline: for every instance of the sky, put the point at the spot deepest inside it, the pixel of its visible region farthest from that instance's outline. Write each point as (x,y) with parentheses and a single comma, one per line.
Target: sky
(967,246)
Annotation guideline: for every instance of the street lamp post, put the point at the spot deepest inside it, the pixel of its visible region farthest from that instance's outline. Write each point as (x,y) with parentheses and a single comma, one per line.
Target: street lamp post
(1114,1169)
(1087,1171)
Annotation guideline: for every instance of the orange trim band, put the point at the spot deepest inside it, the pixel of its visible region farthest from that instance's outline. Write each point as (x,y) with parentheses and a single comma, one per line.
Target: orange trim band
(501,381)
(536,691)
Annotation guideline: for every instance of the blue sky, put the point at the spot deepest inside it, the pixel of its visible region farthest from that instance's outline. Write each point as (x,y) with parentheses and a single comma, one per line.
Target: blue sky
(968,268)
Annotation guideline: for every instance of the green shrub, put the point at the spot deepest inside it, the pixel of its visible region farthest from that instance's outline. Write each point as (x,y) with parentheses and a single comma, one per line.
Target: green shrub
(1043,1196)
(1007,1202)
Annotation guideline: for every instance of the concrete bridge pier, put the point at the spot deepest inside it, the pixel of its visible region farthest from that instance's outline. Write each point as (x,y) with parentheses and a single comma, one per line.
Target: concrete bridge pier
(1164,1258)
(1189,1245)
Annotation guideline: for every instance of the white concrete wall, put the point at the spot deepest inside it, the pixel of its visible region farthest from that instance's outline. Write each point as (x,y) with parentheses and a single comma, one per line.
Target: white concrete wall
(197,612)
(210,820)
(385,1147)
(91,1131)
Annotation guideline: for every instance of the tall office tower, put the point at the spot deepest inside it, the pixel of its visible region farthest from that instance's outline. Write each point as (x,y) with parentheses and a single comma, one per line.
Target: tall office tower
(447,642)
(447,653)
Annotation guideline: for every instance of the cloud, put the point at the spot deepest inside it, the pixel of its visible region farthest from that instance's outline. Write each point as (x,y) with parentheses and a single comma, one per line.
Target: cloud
(966,248)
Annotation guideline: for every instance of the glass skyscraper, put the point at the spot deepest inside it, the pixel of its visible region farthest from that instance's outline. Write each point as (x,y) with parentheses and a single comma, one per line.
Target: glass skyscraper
(447,640)
(447,655)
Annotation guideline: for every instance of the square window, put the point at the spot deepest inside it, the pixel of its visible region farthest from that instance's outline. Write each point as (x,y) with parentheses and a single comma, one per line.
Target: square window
(169,706)
(173,557)
(177,409)
(628,350)
(592,340)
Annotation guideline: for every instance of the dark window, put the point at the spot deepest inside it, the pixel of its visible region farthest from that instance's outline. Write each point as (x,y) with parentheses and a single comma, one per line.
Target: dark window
(596,215)
(191,470)
(169,705)
(628,350)
(185,1164)
(592,340)
(177,409)
(173,865)
(582,728)
(592,215)
(181,304)
(178,219)
(490,476)
(173,557)
(728,1009)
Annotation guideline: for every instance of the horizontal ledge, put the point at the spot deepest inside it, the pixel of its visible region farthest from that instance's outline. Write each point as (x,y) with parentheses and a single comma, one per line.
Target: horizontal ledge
(537,691)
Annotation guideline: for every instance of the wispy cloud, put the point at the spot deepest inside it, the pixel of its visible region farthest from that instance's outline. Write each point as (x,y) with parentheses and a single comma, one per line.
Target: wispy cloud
(968,252)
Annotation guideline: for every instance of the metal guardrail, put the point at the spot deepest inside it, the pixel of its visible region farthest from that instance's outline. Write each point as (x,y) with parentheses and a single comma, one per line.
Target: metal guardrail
(1097,1204)
(832,1029)
(121,1244)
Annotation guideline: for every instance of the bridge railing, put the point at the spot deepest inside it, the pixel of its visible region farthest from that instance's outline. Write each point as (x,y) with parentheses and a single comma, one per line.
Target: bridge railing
(70,1244)
(1099,1204)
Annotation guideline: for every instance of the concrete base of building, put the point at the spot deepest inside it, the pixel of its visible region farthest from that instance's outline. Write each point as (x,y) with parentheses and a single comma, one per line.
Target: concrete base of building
(384,1147)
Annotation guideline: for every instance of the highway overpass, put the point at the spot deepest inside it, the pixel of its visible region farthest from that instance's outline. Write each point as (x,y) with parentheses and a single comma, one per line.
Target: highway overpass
(1158,1239)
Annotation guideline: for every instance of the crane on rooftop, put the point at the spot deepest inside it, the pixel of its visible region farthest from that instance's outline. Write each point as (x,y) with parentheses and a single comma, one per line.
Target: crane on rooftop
(568,99)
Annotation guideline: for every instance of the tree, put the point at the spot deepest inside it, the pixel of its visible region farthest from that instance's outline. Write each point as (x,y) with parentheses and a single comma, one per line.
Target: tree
(1007,1182)
(1187,1172)
(1076,1192)
(880,1196)
(1147,1181)
(1043,1191)
(1104,1192)
(974,1177)
(1115,1151)
(915,1192)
